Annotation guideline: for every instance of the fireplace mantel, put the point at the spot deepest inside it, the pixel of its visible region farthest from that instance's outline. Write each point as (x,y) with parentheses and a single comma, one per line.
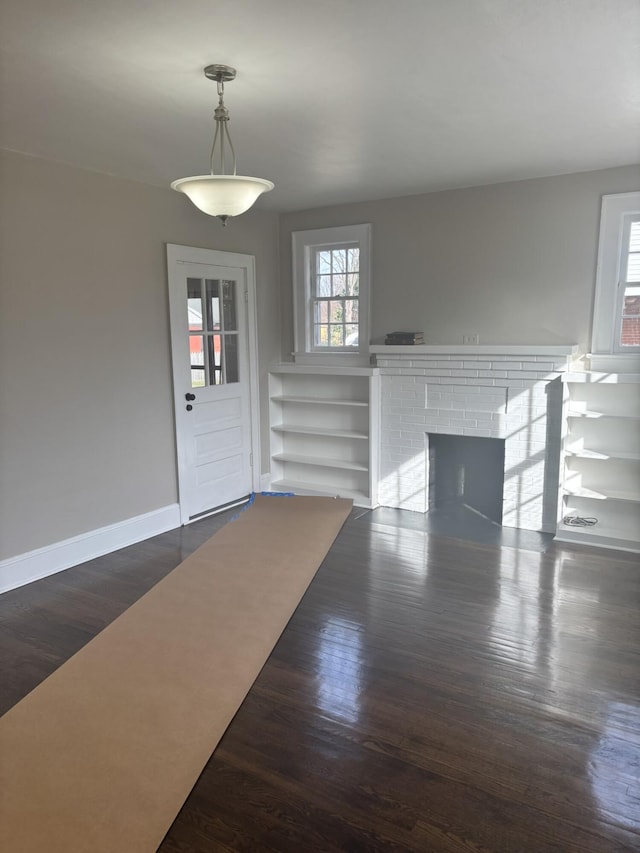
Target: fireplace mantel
(566,350)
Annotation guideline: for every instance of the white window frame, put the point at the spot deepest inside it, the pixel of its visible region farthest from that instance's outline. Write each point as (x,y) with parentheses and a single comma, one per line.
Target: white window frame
(304,245)
(607,353)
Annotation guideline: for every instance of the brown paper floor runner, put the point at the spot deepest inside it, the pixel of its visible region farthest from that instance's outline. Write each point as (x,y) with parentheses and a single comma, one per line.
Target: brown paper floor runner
(102,754)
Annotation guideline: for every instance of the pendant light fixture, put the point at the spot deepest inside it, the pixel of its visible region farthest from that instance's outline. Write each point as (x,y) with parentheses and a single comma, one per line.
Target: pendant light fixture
(221,194)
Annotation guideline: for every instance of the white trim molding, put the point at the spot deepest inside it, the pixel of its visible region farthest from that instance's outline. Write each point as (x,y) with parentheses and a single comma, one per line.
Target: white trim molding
(614,210)
(303,243)
(42,562)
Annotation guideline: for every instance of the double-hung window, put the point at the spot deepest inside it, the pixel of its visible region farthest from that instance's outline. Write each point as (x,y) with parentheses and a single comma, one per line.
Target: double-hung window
(334,296)
(616,316)
(331,291)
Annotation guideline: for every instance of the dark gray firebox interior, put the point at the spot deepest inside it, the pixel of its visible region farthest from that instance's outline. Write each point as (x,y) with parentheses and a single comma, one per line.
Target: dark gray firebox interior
(466,471)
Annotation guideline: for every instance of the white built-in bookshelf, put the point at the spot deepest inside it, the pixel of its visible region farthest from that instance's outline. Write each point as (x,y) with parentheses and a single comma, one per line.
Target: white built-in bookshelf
(602,459)
(324,431)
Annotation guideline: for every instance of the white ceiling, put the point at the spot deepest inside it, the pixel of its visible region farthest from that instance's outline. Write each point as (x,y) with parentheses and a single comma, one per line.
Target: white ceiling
(335,100)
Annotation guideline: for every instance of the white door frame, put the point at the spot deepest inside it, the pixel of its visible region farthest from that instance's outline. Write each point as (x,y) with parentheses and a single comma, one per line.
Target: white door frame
(177,255)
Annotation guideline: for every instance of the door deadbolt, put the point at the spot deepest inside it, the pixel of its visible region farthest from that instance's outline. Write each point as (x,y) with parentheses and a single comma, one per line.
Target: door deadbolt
(189,396)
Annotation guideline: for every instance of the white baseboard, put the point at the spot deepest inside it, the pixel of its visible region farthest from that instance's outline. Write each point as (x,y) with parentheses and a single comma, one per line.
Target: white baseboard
(25,568)
(576,538)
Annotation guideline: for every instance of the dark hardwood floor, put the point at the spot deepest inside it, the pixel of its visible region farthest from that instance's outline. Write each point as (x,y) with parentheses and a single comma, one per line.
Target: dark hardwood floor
(429,694)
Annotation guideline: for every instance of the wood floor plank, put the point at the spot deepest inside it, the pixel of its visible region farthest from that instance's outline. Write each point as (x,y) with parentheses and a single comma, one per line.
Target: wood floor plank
(429,694)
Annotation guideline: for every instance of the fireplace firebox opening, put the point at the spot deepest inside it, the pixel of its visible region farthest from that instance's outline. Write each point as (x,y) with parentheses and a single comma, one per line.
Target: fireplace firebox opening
(466,471)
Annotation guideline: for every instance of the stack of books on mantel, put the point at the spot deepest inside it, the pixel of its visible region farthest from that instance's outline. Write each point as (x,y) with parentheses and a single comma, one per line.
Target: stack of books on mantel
(404,339)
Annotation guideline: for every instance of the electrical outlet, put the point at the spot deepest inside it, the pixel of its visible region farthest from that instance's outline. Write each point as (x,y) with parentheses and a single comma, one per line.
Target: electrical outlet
(471,339)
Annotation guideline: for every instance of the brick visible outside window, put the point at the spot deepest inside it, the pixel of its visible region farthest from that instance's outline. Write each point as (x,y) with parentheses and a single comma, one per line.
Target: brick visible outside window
(630,330)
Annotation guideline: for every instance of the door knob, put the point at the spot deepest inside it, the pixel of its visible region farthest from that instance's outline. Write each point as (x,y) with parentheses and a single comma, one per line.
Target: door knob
(189,407)
(189,396)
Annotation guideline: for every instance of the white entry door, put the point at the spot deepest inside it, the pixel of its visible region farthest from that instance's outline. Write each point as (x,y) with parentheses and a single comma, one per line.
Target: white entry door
(212,310)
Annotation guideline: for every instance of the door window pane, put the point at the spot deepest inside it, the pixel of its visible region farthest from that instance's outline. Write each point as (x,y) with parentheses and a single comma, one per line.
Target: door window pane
(214,357)
(231,366)
(213,305)
(229,306)
(194,304)
(214,353)
(196,356)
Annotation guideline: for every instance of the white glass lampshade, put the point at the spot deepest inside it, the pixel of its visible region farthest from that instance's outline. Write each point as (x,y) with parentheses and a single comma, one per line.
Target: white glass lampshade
(222,195)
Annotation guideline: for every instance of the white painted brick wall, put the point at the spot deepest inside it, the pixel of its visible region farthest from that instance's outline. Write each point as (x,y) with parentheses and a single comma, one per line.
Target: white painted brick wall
(497,397)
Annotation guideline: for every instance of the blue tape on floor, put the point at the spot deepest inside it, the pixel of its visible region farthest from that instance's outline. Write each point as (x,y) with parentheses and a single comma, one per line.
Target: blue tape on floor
(262,494)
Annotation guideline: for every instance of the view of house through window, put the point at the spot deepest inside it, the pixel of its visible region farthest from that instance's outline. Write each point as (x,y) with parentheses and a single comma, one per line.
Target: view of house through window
(335,285)
(630,285)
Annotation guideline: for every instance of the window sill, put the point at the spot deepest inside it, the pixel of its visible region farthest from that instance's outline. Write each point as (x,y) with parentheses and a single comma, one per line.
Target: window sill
(619,362)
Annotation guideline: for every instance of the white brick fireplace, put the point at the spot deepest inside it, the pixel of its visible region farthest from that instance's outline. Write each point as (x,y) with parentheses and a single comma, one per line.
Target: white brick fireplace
(507,392)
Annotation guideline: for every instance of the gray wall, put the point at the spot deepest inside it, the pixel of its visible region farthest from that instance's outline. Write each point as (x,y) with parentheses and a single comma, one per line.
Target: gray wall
(513,262)
(86,420)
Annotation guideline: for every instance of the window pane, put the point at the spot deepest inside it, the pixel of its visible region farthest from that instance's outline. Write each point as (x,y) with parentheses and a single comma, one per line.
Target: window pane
(323,285)
(196,355)
(336,336)
(321,336)
(321,312)
(351,332)
(339,260)
(352,284)
(630,332)
(631,302)
(630,328)
(336,311)
(339,285)
(194,304)
(633,258)
(633,267)
(351,311)
(353,260)
(323,263)
(231,367)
